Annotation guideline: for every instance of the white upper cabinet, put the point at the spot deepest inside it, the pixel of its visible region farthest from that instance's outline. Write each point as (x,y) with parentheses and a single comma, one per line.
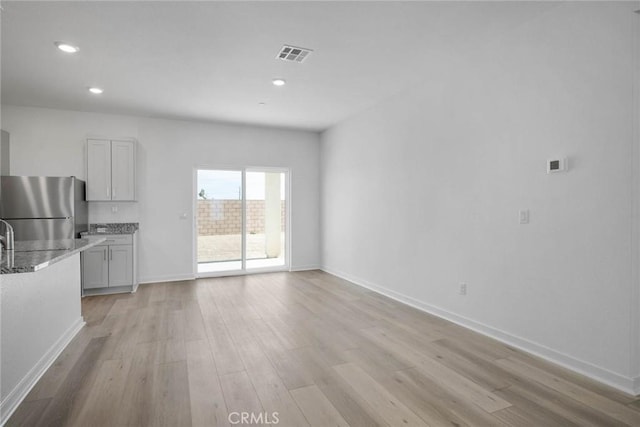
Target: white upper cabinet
(123,170)
(111,170)
(98,169)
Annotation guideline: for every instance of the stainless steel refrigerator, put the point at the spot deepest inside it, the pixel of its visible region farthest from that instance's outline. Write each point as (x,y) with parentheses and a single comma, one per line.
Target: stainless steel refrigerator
(44,208)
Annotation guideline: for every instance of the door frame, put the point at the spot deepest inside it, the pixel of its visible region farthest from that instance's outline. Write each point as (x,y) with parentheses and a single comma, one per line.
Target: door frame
(288,232)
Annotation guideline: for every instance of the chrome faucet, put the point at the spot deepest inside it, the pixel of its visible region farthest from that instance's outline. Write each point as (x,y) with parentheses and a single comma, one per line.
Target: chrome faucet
(6,238)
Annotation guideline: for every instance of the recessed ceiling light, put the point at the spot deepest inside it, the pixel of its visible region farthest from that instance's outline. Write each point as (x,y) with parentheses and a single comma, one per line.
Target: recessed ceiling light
(261,104)
(66,47)
(279,82)
(95,90)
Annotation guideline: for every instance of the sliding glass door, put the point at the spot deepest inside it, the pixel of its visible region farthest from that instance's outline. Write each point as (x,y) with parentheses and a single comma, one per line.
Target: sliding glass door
(265,219)
(219,220)
(240,220)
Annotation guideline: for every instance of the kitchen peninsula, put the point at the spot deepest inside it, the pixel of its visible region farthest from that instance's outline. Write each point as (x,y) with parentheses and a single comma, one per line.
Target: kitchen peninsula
(40,311)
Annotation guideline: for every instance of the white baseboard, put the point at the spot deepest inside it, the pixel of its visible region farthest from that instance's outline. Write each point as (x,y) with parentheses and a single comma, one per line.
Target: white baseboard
(20,391)
(182,277)
(625,384)
(305,267)
(167,278)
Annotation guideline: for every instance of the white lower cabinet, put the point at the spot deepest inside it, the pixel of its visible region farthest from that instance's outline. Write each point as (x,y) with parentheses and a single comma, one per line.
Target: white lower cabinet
(95,267)
(120,265)
(111,266)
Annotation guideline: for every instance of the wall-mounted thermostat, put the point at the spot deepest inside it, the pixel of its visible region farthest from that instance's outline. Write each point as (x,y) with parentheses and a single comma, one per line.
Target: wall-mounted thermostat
(557,165)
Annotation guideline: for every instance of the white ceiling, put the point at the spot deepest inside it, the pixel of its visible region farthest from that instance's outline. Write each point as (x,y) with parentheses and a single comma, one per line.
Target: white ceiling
(215,60)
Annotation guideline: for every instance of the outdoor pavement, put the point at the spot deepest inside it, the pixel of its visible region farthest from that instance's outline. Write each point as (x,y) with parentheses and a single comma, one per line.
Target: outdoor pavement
(229,247)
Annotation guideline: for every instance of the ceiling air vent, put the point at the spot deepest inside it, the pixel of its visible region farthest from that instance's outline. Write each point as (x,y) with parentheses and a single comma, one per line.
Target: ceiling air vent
(293,54)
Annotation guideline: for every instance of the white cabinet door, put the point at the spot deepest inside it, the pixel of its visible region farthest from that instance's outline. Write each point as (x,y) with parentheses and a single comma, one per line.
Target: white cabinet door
(98,169)
(123,180)
(120,265)
(95,268)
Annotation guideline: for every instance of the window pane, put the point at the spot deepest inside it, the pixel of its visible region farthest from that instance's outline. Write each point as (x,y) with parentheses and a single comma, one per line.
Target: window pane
(266,219)
(219,220)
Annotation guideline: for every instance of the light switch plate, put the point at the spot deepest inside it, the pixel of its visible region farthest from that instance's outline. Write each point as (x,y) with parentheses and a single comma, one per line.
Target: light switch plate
(524,216)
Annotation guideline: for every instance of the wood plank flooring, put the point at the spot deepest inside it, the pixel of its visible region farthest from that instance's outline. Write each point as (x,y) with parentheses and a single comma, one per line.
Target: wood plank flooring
(302,349)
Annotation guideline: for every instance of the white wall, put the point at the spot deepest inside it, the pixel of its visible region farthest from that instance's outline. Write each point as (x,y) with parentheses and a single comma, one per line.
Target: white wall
(52,142)
(422,192)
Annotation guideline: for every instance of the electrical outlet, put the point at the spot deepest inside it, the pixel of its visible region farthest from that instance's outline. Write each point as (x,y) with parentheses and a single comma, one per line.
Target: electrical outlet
(463,288)
(114,209)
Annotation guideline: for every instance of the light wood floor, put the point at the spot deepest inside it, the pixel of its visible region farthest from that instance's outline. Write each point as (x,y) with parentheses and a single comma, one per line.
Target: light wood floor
(315,349)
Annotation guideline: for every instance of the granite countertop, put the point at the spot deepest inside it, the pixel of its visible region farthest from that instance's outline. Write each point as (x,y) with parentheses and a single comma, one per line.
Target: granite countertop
(33,255)
(112,228)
